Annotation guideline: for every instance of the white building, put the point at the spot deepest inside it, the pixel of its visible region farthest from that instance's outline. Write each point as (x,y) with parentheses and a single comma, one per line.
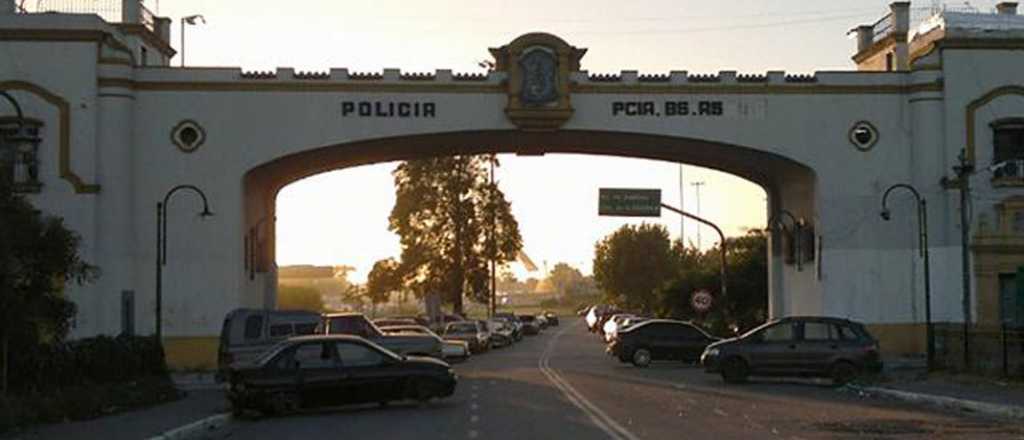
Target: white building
(120,127)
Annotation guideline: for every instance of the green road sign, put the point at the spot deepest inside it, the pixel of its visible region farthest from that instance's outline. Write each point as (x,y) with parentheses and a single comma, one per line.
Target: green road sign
(629,202)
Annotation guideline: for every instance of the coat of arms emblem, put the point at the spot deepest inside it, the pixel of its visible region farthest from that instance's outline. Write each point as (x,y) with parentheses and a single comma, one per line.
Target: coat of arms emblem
(539,81)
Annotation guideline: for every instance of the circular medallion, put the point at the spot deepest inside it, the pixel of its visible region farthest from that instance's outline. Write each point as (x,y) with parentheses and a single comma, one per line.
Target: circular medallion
(188,136)
(863,135)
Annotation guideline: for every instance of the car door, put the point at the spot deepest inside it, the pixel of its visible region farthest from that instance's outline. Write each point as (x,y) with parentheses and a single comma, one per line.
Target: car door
(817,347)
(317,373)
(773,349)
(370,375)
(668,341)
(690,342)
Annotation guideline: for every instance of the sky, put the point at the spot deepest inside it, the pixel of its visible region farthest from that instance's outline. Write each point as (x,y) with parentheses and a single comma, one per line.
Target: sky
(321,220)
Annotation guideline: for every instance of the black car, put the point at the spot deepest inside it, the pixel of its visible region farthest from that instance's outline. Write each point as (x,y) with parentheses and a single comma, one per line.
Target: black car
(552,318)
(530,325)
(329,370)
(836,348)
(660,339)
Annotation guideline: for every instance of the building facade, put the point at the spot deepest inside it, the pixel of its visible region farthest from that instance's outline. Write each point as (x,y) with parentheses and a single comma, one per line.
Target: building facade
(118,128)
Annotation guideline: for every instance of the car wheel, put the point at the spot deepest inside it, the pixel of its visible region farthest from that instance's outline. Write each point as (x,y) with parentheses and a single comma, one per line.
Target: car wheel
(843,372)
(642,357)
(284,404)
(735,370)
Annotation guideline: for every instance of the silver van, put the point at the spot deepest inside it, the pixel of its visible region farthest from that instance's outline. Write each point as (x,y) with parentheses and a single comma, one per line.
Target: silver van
(248,332)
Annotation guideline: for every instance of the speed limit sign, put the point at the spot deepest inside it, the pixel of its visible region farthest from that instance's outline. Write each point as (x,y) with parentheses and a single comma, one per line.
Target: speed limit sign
(701,300)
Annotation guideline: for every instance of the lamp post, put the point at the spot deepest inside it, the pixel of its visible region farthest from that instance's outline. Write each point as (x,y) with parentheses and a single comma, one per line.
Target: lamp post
(922,226)
(191,20)
(161,246)
(963,169)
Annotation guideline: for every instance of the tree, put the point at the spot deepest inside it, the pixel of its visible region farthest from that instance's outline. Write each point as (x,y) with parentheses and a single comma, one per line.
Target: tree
(631,263)
(384,279)
(444,213)
(38,257)
(747,302)
(299,298)
(565,279)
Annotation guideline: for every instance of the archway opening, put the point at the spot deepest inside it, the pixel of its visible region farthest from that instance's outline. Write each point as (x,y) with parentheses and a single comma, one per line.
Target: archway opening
(788,185)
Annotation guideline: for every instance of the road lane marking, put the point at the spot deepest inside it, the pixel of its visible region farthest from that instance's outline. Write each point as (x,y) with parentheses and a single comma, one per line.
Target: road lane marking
(475,395)
(472,433)
(474,419)
(474,406)
(598,417)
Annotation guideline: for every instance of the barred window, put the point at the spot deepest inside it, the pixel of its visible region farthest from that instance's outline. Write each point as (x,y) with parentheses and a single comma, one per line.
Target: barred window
(1008,140)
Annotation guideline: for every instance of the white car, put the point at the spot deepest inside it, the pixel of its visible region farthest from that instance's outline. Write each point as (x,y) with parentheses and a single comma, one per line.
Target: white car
(612,326)
(450,349)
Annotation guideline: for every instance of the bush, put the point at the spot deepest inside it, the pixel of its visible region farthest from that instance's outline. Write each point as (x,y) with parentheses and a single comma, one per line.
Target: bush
(84,402)
(99,360)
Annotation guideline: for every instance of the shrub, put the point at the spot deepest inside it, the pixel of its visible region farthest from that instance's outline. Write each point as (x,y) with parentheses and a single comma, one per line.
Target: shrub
(99,360)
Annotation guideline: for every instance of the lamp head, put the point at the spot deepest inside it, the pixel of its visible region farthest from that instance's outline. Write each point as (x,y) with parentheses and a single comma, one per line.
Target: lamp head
(886,215)
(206,212)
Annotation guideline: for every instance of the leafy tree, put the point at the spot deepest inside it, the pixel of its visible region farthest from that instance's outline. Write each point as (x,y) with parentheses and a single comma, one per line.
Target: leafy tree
(565,279)
(531,284)
(299,298)
(38,257)
(445,212)
(631,263)
(384,279)
(508,283)
(746,304)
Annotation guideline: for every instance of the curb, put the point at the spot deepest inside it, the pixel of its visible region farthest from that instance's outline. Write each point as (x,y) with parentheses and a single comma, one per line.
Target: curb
(984,408)
(195,428)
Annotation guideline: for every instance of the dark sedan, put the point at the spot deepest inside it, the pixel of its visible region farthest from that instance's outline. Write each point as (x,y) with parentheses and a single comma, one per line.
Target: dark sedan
(836,348)
(552,318)
(329,370)
(531,326)
(660,339)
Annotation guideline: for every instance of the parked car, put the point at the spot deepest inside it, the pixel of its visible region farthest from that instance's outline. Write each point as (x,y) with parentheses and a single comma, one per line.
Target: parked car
(247,333)
(501,333)
(512,320)
(836,348)
(552,318)
(357,324)
(530,325)
(328,370)
(596,315)
(660,339)
(388,322)
(470,332)
(611,327)
(450,350)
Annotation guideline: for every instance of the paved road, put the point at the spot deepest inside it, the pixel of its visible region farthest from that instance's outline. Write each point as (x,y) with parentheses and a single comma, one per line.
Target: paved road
(561,385)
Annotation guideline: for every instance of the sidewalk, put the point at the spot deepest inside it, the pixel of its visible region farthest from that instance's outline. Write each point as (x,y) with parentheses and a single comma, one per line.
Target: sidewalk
(199,402)
(987,396)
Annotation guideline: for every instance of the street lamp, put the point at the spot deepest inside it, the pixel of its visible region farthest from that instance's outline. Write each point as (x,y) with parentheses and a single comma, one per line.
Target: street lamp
(922,226)
(721,236)
(161,246)
(23,144)
(191,20)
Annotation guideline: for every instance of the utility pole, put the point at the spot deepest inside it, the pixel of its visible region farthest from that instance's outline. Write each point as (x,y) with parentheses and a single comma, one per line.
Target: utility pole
(963,170)
(697,185)
(494,246)
(682,205)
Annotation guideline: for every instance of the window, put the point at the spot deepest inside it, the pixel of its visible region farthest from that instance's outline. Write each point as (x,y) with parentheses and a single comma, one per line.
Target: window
(253,327)
(350,325)
(888,62)
(1010,301)
(682,331)
(19,164)
(280,330)
(1008,145)
(779,333)
(305,329)
(358,355)
(846,333)
(817,331)
(314,355)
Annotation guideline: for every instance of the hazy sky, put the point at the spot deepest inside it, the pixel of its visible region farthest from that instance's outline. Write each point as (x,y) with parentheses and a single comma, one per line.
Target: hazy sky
(341,217)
